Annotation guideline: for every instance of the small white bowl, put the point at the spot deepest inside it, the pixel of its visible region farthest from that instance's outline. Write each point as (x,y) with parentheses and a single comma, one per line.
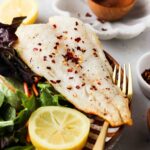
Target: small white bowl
(142,65)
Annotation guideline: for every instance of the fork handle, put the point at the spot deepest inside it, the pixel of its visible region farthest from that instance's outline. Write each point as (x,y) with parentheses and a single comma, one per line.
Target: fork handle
(100,142)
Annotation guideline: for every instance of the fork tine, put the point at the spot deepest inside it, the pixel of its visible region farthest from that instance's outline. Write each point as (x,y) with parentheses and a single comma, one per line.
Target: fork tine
(101,138)
(130,89)
(100,142)
(124,84)
(119,78)
(114,74)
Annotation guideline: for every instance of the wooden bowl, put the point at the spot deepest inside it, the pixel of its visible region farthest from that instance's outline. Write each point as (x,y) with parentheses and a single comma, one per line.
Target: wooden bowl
(113,133)
(111,10)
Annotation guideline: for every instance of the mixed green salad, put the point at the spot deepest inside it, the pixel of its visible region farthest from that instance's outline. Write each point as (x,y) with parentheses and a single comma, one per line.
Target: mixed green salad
(21,93)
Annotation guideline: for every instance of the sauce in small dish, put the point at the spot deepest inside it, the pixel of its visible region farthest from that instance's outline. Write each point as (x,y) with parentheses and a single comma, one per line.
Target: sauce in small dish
(111,10)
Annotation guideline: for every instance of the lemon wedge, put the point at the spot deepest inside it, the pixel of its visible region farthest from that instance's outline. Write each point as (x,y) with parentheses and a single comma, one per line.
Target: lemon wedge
(58,128)
(17,8)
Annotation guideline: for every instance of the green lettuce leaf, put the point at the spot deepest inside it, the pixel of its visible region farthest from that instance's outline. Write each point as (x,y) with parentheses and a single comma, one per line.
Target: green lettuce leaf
(8,91)
(50,97)
(30,103)
(2,96)
(29,147)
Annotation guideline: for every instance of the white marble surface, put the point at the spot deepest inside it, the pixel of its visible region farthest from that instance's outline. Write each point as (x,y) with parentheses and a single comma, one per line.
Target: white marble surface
(136,137)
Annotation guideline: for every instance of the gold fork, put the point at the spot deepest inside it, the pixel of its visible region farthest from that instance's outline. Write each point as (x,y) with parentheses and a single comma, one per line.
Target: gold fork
(126,87)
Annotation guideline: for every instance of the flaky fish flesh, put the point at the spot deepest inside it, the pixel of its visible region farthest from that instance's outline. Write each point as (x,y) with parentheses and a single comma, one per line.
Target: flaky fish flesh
(69,56)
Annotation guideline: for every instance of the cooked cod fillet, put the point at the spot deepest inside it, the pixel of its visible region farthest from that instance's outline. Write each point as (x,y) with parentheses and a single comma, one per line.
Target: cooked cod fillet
(69,55)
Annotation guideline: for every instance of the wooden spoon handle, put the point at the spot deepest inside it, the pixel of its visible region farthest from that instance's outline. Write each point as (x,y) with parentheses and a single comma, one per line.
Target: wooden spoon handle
(100,142)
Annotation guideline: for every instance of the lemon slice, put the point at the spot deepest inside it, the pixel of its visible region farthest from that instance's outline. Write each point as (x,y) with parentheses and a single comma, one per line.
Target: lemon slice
(17,8)
(58,128)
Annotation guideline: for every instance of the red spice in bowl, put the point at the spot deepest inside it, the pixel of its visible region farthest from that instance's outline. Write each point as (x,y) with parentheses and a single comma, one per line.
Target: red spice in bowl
(146,75)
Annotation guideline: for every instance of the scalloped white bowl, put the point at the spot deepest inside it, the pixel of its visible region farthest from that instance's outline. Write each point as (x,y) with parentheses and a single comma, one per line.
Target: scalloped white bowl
(131,26)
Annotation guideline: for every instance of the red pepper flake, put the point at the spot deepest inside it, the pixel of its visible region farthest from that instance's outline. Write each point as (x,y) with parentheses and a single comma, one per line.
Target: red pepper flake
(103,29)
(35,49)
(76,23)
(83,50)
(76,72)
(79,48)
(70,78)
(94,49)
(58,81)
(69,88)
(93,88)
(55,82)
(70,56)
(39,44)
(108,89)
(70,70)
(107,77)
(77,87)
(65,32)
(50,56)
(55,26)
(99,83)
(56,45)
(75,29)
(78,39)
(83,84)
(49,68)
(59,37)
(40,49)
(95,54)
(88,15)
(53,61)
(80,76)
(44,58)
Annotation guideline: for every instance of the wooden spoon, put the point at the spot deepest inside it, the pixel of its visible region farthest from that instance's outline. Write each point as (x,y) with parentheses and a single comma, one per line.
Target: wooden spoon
(111,10)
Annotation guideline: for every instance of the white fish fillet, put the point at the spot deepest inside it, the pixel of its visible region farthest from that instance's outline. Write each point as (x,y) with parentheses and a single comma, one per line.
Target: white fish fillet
(69,55)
